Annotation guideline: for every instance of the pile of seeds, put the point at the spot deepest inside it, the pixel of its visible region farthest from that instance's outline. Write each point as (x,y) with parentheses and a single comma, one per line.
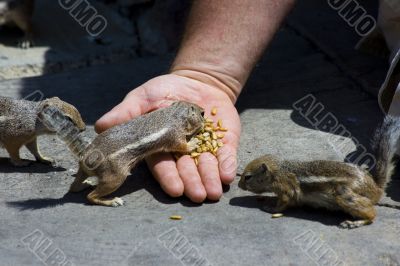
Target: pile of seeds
(209,139)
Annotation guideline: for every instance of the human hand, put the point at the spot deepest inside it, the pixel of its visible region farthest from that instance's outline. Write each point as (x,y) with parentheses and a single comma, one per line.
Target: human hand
(183,176)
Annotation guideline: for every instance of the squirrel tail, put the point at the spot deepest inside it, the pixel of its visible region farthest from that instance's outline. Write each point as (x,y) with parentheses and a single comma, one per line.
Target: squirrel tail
(386,144)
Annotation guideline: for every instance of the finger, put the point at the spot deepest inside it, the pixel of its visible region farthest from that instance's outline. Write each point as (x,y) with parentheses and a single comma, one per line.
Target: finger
(189,174)
(132,106)
(163,168)
(227,158)
(208,169)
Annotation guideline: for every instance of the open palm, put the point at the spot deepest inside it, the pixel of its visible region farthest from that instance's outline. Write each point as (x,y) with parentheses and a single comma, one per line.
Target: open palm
(183,176)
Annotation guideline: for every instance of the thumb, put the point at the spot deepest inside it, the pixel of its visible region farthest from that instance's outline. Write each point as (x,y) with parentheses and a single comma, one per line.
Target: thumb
(132,106)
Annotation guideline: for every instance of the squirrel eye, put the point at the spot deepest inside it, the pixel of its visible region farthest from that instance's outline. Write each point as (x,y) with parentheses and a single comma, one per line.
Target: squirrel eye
(247,177)
(202,113)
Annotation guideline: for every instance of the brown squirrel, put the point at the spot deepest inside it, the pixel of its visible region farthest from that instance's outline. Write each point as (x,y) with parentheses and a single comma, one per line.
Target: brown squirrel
(328,184)
(19,12)
(108,160)
(21,124)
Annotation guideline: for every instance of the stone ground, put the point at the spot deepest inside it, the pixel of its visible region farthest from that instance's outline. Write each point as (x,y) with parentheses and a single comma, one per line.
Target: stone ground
(312,54)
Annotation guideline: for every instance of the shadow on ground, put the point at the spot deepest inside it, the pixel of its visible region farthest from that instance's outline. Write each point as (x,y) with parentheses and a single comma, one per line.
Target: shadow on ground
(329,218)
(33,167)
(139,180)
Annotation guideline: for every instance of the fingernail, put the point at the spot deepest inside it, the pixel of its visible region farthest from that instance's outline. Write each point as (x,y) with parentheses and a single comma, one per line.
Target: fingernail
(229,164)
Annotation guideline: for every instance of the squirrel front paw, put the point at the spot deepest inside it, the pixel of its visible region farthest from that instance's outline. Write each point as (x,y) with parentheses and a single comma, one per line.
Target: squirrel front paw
(25,43)
(269,209)
(354,224)
(192,144)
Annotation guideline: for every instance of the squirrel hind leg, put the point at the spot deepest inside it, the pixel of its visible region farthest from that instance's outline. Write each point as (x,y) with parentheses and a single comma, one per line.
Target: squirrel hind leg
(281,205)
(357,206)
(114,181)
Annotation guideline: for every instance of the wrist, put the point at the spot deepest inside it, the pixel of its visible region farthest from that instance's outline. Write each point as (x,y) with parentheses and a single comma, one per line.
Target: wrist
(211,76)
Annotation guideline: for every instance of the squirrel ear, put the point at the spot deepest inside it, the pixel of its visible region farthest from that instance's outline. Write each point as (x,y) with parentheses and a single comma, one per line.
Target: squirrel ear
(43,105)
(264,167)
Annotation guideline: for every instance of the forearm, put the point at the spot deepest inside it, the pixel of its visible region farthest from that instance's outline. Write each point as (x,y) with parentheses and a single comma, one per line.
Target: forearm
(225,38)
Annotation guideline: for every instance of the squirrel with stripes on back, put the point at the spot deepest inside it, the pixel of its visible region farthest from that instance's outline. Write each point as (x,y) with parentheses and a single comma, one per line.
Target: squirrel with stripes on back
(107,161)
(21,123)
(328,184)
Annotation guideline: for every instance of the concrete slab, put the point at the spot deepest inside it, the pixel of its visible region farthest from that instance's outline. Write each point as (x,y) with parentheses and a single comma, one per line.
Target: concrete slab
(61,43)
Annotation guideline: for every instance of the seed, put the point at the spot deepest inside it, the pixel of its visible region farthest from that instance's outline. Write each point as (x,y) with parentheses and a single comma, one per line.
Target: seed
(209,146)
(194,154)
(214,144)
(208,139)
(277,215)
(175,217)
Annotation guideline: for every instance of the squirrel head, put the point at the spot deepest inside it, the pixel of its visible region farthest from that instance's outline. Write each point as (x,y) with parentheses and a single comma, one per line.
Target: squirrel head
(67,110)
(259,174)
(191,114)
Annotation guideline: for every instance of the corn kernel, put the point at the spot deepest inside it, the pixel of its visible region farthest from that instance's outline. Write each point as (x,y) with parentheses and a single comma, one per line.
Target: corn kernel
(175,217)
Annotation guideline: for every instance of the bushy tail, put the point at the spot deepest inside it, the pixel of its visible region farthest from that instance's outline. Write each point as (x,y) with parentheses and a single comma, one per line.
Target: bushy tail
(386,144)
